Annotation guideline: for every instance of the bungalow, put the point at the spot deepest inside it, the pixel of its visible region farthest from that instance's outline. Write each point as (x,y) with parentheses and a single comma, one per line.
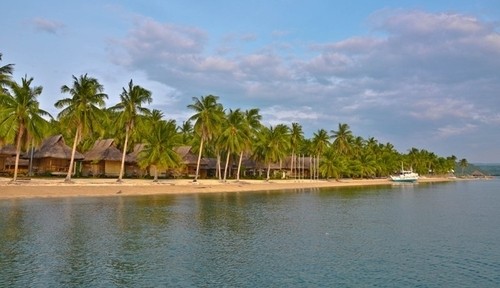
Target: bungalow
(189,162)
(6,152)
(132,168)
(103,160)
(52,157)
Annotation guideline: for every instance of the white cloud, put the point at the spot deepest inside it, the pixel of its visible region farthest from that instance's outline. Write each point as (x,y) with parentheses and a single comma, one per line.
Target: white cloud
(48,26)
(420,69)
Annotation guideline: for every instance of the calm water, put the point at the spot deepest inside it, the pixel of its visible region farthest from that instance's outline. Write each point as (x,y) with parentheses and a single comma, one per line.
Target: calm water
(422,235)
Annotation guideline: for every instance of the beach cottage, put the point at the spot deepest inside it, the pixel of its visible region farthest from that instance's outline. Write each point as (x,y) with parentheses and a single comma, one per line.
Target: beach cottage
(132,168)
(189,161)
(103,160)
(52,157)
(6,152)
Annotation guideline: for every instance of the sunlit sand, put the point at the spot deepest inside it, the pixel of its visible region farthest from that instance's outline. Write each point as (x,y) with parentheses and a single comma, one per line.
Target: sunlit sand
(44,188)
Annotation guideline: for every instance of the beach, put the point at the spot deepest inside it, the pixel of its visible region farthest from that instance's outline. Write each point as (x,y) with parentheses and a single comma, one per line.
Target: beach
(52,188)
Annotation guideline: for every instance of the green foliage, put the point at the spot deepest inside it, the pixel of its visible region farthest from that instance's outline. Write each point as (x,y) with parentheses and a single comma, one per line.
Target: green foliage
(161,139)
(210,131)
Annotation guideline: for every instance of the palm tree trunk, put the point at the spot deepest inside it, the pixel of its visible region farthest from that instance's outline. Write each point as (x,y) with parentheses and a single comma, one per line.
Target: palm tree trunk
(219,170)
(72,160)
(122,168)
(155,177)
(227,163)
(199,160)
(268,171)
(239,166)
(18,152)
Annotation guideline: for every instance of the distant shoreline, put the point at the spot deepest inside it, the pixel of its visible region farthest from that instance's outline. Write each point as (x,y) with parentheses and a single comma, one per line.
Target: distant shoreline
(56,188)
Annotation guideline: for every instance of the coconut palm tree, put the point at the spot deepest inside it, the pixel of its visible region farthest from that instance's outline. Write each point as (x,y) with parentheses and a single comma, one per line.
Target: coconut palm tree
(296,137)
(332,164)
(252,120)
(272,145)
(343,137)
(82,111)
(463,163)
(235,135)
(186,130)
(5,80)
(320,144)
(5,75)
(130,108)
(161,139)
(208,117)
(20,113)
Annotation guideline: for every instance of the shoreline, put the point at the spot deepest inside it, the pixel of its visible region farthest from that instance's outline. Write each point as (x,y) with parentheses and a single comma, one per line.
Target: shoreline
(57,188)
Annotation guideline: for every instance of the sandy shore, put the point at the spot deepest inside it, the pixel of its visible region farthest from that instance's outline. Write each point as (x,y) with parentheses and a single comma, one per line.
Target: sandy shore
(45,188)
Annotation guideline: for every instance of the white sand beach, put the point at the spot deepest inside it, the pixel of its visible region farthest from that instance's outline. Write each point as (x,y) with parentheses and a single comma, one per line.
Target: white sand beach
(44,188)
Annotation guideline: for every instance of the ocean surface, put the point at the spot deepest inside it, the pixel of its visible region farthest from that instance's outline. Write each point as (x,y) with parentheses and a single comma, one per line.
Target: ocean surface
(412,235)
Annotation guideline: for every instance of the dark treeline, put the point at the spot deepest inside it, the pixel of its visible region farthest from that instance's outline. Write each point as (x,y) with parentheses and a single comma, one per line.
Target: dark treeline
(212,131)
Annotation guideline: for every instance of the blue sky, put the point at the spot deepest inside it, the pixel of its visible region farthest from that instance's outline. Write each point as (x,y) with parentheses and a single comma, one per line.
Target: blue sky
(422,74)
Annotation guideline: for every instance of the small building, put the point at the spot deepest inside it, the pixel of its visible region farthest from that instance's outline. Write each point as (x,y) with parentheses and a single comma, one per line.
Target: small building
(6,152)
(189,161)
(478,174)
(52,157)
(132,168)
(103,160)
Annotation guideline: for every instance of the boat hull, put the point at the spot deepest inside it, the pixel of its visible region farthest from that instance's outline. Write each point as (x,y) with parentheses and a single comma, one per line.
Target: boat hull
(405,180)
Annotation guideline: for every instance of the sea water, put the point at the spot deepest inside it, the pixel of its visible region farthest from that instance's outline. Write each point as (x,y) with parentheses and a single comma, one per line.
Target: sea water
(412,235)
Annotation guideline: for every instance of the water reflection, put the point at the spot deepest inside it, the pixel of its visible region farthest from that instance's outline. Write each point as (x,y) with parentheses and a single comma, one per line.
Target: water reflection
(317,237)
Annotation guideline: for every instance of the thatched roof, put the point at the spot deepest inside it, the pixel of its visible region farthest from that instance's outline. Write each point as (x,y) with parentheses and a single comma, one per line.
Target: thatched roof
(54,147)
(133,156)
(8,150)
(477,173)
(188,157)
(104,150)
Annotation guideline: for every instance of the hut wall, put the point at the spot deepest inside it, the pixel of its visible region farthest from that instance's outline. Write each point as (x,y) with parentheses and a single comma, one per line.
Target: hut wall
(2,163)
(91,168)
(49,165)
(133,170)
(112,168)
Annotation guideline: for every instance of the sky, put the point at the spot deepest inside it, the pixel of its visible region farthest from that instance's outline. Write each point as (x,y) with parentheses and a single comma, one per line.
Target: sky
(423,74)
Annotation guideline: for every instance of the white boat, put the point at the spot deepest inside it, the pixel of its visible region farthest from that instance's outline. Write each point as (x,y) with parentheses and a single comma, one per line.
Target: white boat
(405,176)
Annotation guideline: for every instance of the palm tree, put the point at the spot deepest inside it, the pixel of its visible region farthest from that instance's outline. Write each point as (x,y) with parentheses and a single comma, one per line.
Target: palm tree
(235,135)
(5,80)
(332,164)
(160,138)
(252,124)
(82,110)
(320,144)
(296,137)
(5,75)
(186,130)
(208,116)
(21,114)
(130,107)
(463,163)
(343,137)
(272,146)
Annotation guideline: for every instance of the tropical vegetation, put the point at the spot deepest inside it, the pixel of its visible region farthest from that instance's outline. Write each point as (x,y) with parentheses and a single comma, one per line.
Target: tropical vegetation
(212,131)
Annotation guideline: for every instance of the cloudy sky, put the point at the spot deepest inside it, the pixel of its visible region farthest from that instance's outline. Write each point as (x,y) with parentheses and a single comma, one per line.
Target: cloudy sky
(422,74)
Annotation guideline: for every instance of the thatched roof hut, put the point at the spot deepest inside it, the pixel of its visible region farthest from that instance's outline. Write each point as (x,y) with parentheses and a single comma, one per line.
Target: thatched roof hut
(104,150)
(190,160)
(54,147)
(52,156)
(478,174)
(134,155)
(104,159)
(132,168)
